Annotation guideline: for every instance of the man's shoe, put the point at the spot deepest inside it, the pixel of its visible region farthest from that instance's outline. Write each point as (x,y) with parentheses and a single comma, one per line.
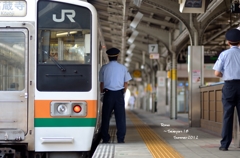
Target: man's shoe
(121,142)
(223,149)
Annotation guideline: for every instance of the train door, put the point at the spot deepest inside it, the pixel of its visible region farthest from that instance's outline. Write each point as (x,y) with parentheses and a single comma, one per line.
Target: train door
(13,83)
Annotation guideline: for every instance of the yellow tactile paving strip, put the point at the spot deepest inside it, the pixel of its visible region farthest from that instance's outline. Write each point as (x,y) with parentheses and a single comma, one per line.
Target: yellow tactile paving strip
(156,145)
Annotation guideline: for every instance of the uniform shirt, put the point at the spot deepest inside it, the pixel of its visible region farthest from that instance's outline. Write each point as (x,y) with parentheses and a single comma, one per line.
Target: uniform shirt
(228,63)
(113,75)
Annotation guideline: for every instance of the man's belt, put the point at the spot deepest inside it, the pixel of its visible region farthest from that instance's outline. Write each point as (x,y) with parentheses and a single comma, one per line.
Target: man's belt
(234,80)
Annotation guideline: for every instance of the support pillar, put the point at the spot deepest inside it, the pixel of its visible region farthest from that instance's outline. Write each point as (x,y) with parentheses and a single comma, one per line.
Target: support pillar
(195,76)
(173,100)
(161,92)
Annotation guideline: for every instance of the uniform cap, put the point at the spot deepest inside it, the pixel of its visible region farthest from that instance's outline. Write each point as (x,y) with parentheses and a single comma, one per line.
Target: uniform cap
(233,35)
(113,52)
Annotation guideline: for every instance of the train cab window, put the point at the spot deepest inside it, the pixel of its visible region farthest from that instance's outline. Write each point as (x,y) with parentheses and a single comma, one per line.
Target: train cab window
(12,60)
(64,47)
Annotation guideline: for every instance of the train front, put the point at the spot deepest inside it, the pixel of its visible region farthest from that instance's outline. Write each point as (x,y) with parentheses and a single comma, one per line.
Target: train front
(48,78)
(66,76)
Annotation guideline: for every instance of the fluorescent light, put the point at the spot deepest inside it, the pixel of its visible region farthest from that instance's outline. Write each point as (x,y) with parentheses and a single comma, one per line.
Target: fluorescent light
(137,3)
(136,20)
(133,37)
(128,59)
(66,33)
(129,51)
(132,46)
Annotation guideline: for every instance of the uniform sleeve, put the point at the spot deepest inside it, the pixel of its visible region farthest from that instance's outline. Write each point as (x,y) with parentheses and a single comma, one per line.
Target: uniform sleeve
(127,76)
(218,66)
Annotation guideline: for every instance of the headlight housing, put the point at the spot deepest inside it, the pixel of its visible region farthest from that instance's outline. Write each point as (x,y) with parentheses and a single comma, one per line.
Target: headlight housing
(69,108)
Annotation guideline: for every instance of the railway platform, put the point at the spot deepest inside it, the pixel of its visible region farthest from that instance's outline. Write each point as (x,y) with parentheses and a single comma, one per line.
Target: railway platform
(151,135)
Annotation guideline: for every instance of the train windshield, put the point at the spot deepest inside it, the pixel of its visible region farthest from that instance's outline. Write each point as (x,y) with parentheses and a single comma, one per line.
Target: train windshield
(64,47)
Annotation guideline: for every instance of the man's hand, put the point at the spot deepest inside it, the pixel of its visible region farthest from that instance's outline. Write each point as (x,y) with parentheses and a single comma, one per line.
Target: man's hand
(101,96)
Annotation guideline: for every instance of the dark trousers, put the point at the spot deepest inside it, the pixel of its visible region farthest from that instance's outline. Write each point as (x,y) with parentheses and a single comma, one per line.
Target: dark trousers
(230,99)
(113,100)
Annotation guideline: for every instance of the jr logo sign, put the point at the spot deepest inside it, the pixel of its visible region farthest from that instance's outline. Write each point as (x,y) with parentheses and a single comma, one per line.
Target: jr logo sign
(69,13)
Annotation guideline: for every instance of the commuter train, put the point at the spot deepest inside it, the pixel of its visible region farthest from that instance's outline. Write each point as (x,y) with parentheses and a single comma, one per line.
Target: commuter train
(49,62)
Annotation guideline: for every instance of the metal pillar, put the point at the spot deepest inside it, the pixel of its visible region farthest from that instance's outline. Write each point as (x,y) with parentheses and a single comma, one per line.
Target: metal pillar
(173,105)
(173,94)
(195,76)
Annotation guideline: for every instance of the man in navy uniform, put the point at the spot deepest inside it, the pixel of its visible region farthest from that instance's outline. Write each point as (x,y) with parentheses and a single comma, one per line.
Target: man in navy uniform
(113,79)
(228,67)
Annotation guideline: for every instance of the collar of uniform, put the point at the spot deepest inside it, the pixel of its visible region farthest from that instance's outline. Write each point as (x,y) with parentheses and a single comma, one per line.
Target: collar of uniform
(113,61)
(234,46)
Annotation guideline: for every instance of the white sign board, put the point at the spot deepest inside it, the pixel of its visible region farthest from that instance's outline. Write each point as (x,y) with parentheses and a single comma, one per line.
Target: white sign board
(154,56)
(153,48)
(196,76)
(13,8)
(161,81)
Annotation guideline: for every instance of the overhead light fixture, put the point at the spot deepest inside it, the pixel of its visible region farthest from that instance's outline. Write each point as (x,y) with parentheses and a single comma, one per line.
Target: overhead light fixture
(137,3)
(129,51)
(133,37)
(128,59)
(132,46)
(136,20)
(66,33)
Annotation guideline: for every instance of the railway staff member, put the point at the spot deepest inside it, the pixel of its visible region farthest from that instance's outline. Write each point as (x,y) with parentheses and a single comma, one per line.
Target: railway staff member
(228,67)
(113,79)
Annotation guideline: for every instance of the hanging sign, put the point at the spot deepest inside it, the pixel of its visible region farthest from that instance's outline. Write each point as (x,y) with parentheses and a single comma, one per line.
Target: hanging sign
(154,56)
(137,74)
(13,8)
(153,48)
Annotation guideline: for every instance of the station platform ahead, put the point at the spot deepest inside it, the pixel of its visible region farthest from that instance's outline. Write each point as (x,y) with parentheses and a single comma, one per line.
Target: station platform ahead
(151,135)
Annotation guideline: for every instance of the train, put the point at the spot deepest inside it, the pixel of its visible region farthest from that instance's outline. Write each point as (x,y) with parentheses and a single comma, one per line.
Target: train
(50,55)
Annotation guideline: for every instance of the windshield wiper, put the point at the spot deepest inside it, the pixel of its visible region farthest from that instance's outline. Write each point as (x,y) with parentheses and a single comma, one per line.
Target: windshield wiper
(58,65)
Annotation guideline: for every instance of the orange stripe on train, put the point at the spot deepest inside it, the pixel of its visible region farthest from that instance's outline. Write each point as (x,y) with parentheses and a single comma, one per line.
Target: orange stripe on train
(42,109)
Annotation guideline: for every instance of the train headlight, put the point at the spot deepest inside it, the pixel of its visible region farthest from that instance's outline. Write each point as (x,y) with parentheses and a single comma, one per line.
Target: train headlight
(62,109)
(69,108)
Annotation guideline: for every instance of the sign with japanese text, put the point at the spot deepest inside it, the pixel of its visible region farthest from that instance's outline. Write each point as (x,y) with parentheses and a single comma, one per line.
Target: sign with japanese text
(13,8)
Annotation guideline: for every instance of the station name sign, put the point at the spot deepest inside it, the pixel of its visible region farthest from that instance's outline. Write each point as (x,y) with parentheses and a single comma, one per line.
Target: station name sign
(13,8)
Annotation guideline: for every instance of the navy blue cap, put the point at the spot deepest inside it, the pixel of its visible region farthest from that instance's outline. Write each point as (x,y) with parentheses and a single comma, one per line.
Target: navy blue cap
(233,35)
(113,52)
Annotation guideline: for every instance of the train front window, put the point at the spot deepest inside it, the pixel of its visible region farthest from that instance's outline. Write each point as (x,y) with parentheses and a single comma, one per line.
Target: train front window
(12,60)
(64,52)
(65,47)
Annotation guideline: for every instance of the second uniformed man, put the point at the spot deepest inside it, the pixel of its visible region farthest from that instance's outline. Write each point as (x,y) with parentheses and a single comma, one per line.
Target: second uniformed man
(228,67)
(113,79)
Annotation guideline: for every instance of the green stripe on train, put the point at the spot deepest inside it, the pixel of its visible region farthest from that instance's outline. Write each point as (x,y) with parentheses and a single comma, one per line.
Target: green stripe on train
(64,122)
